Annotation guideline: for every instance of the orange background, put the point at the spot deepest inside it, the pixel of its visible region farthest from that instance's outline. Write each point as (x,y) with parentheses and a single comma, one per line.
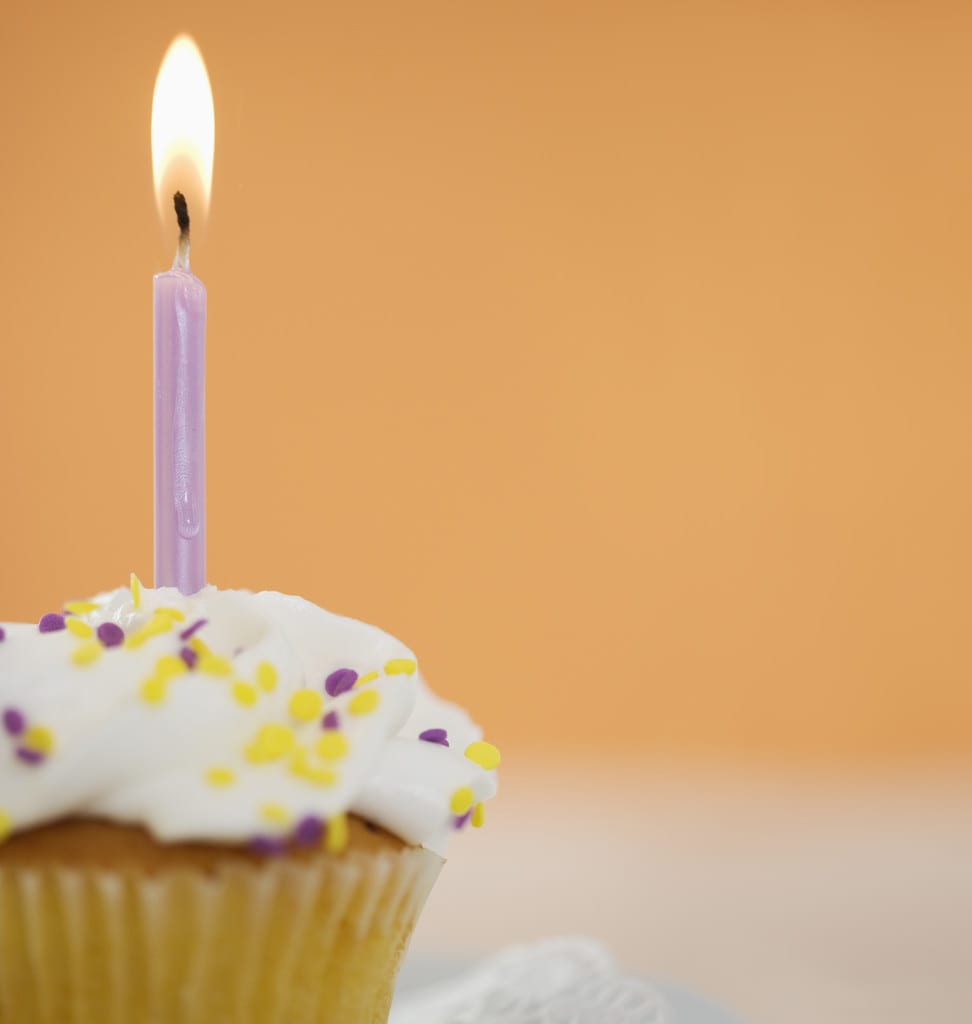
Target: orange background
(615,356)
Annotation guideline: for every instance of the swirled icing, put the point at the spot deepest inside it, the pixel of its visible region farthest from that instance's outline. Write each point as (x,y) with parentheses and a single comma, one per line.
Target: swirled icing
(207,717)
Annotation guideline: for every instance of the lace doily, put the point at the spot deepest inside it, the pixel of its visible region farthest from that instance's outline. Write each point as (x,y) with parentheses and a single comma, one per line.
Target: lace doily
(559,981)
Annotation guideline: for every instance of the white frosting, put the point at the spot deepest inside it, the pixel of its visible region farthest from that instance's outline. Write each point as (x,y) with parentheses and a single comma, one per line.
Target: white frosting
(117,756)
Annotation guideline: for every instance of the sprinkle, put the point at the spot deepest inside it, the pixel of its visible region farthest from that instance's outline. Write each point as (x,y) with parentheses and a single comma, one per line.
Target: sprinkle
(270,743)
(266,677)
(267,846)
(51,623)
(29,756)
(439,736)
(169,666)
(460,820)
(305,705)
(81,607)
(153,690)
(301,767)
(136,588)
(86,652)
(330,720)
(340,681)
(484,754)
(199,646)
(111,634)
(275,814)
(220,777)
(337,833)
(6,826)
(189,656)
(14,721)
(400,667)
(364,703)
(3,634)
(157,625)
(309,831)
(478,816)
(189,630)
(368,677)
(332,746)
(79,628)
(462,800)
(39,738)
(244,694)
(215,665)
(172,614)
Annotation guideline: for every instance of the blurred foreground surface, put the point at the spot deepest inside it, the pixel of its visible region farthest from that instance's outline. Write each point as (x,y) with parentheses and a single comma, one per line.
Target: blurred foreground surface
(799,898)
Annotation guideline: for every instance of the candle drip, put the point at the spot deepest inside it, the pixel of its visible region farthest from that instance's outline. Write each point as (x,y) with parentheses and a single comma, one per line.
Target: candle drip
(181,261)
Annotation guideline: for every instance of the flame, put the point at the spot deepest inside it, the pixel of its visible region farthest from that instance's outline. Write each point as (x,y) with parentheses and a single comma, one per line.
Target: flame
(183,129)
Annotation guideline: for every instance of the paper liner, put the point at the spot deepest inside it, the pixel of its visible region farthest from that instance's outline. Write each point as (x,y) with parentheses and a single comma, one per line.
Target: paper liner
(313,941)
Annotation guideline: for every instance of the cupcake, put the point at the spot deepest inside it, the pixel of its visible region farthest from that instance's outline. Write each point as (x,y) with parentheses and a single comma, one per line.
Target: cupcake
(218,808)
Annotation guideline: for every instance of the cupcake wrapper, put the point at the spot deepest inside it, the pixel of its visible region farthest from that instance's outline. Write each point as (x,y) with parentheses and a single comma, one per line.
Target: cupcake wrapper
(283,942)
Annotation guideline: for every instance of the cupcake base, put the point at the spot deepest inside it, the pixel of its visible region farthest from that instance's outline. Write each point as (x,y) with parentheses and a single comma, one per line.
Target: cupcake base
(99,924)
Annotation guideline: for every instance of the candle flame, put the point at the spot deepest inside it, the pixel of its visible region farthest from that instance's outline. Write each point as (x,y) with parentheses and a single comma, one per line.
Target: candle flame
(183,129)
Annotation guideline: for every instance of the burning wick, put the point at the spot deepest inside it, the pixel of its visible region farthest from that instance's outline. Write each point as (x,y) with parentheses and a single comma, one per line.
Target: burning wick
(182,216)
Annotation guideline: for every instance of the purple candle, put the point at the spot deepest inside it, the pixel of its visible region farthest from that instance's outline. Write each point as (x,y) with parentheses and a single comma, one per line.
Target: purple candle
(183,133)
(180,420)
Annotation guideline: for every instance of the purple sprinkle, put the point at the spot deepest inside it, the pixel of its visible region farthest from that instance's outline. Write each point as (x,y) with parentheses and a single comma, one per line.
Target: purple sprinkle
(439,736)
(340,681)
(51,623)
(3,635)
(267,846)
(309,831)
(29,756)
(195,627)
(459,821)
(189,656)
(330,721)
(111,634)
(14,721)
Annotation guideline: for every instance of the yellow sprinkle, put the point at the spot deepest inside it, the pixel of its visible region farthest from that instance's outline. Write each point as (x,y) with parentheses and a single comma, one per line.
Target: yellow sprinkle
(244,694)
(136,588)
(332,746)
(86,653)
(484,754)
(337,833)
(364,703)
(271,742)
(478,816)
(368,677)
(6,826)
(40,739)
(153,690)
(154,627)
(199,646)
(136,638)
(78,627)
(275,814)
(461,800)
(303,769)
(266,677)
(220,777)
(214,665)
(80,607)
(169,666)
(173,614)
(400,667)
(306,705)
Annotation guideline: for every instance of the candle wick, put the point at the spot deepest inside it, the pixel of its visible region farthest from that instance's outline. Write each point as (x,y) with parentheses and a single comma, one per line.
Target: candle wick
(182,217)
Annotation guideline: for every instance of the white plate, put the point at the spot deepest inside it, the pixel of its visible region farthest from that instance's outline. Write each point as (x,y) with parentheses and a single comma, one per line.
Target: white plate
(427,985)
